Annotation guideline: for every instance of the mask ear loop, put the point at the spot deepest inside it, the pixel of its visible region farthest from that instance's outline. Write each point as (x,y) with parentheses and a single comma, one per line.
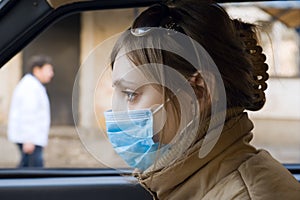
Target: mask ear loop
(159,115)
(193,81)
(194,111)
(190,125)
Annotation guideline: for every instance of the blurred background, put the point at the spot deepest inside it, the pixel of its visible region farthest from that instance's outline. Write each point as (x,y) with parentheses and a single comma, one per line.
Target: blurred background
(70,41)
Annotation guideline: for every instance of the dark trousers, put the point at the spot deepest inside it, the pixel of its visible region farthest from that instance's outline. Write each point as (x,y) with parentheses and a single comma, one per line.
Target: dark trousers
(31,160)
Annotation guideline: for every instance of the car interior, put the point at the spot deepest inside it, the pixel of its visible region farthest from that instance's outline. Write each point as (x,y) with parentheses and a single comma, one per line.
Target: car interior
(23,23)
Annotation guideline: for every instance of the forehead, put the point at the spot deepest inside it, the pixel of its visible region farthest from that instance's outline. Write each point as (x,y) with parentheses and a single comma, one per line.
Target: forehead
(47,67)
(122,65)
(125,70)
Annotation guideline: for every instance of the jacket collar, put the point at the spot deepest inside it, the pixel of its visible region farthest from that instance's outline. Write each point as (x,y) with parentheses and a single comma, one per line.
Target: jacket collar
(235,137)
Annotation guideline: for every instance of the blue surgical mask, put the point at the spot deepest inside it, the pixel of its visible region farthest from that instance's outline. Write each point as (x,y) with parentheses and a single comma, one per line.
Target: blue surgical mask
(131,135)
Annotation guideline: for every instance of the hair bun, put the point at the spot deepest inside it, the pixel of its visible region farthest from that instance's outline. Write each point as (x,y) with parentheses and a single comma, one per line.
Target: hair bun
(259,67)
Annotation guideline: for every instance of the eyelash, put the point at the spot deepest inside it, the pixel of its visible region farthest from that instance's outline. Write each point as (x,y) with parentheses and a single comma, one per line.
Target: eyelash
(130,95)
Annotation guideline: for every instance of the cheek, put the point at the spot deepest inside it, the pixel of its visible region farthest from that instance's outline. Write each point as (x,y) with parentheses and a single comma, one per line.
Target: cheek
(148,98)
(47,76)
(117,102)
(171,126)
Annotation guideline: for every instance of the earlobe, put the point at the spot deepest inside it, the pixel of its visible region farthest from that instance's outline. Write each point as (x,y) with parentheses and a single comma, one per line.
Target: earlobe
(35,70)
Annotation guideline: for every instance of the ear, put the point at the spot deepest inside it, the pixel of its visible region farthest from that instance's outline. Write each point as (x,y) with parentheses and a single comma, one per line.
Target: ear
(37,73)
(197,83)
(35,70)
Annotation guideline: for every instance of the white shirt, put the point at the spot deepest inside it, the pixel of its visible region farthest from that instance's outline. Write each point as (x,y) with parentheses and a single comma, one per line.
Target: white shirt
(29,117)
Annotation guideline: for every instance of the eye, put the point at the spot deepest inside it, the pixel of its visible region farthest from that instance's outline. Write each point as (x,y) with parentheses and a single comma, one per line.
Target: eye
(131,95)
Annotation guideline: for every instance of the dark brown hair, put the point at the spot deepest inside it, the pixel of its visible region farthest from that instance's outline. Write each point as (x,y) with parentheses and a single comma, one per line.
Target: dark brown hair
(232,44)
(37,61)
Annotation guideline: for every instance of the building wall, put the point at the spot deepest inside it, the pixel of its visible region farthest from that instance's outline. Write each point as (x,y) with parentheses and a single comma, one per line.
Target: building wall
(61,43)
(277,124)
(283,97)
(10,75)
(94,69)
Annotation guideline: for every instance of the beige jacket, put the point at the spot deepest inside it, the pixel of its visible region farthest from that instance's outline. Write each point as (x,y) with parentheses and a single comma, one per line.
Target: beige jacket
(232,170)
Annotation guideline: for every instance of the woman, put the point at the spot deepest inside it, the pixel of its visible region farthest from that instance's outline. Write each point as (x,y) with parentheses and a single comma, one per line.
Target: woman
(184,74)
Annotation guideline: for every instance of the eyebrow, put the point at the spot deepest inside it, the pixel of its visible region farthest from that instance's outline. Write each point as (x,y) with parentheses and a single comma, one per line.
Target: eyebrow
(122,81)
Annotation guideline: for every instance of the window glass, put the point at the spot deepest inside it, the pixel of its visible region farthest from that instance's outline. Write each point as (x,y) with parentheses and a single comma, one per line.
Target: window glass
(278,23)
(277,124)
(72,42)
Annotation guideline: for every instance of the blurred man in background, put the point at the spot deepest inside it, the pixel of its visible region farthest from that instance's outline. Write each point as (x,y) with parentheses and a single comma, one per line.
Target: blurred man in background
(29,117)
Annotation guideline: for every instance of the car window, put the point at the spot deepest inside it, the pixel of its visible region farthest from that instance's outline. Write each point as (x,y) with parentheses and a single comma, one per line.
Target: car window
(282,108)
(81,89)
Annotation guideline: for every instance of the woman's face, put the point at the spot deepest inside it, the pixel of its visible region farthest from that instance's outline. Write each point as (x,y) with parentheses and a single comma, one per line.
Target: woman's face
(134,91)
